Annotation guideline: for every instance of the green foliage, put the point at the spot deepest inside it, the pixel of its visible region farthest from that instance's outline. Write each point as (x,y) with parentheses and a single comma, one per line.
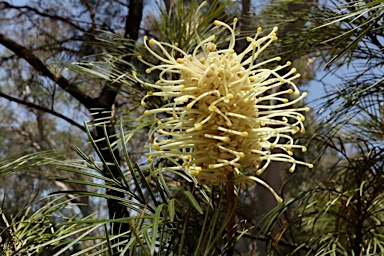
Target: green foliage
(35,230)
(185,24)
(340,216)
(158,222)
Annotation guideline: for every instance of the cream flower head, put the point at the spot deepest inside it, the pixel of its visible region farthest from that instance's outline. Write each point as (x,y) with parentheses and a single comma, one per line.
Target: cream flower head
(223,111)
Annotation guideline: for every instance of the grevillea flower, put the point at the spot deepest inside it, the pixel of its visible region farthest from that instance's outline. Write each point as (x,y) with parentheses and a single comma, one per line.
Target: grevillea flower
(223,111)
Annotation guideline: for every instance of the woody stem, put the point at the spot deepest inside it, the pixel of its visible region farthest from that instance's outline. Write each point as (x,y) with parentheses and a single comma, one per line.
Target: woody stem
(231,228)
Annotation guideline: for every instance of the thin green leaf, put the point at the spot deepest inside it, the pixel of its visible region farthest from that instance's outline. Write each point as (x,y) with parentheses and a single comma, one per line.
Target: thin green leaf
(193,201)
(171,209)
(155,227)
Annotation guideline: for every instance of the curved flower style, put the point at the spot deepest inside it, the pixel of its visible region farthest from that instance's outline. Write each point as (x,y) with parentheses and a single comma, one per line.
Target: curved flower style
(223,111)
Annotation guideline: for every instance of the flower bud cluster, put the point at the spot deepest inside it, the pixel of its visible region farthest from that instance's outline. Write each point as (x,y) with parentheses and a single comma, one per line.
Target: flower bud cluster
(224,111)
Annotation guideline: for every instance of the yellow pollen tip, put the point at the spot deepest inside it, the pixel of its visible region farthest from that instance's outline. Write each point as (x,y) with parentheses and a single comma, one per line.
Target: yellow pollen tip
(244,134)
(143,104)
(248,39)
(262,123)
(182,87)
(285,100)
(230,96)
(241,155)
(199,127)
(284,119)
(174,150)
(231,51)
(186,164)
(297,93)
(272,146)
(216,23)
(305,94)
(189,106)
(176,44)
(306,109)
(291,170)
(290,91)
(159,122)
(290,153)
(165,98)
(212,108)
(189,157)
(254,44)
(237,165)
(273,34)
(204,3)
(139,57)
(152,42)
(137,120)
(297,75)
(302,131)
(310,166)
(146,112)
(150,160)
(147,71)
(278,58)
(288,148)
(195,173)
(288,63)
(296,128)
(302,119)
(282,80)
(148,168)
(213,38)
(145,38)
(149,140)
(211,166)
(293,70)
(149,93)
(304,149)
(226,139)
(275,38)
(259,29)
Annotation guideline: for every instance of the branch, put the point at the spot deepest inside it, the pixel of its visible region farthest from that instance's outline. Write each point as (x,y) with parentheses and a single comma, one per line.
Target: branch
(47,110)
(132,26)
(36,11)
(35,62)
(132,23)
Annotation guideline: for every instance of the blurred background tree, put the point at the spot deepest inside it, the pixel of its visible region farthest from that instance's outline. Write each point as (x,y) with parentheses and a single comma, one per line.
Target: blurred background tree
(46,104)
